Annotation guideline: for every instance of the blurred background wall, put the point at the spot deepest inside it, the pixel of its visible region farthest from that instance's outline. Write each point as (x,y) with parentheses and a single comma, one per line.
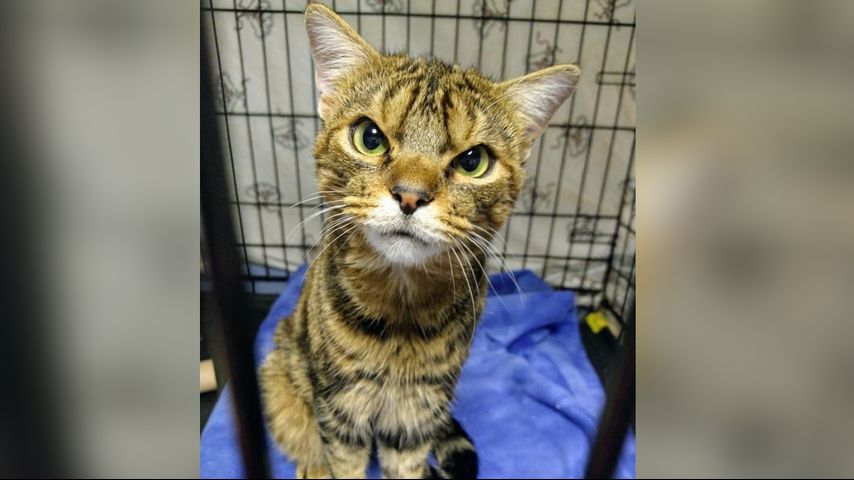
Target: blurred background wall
(746,257)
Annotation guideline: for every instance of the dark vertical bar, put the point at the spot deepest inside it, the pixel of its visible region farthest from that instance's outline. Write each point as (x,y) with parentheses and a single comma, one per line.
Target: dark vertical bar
(629,287)
(230,149)
(382,10)
(272,136)
(506,35)
(539,158)
(251,140)
(619,410)
(432,28)
(408,24)
(202,249)
(601,198)
(632,214)
(33,420)
(565,147)
(228,288)
(480,36)
(457,33)
(209,320)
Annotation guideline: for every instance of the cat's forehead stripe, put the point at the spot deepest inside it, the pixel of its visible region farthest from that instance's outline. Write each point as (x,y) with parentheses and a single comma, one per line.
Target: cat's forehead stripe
(422,99)
(416,99)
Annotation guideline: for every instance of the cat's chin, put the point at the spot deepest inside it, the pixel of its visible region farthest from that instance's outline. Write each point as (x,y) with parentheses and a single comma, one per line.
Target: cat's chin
(400,249)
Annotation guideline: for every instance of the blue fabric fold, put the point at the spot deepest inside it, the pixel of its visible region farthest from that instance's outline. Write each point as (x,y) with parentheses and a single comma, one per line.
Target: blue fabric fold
(527,395)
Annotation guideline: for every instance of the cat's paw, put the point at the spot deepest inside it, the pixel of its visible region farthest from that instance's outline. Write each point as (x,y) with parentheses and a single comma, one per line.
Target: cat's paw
(312,471)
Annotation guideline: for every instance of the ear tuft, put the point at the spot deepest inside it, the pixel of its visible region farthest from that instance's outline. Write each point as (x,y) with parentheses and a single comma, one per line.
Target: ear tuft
(539,94)
(335,47)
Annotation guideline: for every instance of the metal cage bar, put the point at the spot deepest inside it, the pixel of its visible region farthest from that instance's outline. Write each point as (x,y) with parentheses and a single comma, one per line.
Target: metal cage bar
(582,205)
(619,410)
(224,269)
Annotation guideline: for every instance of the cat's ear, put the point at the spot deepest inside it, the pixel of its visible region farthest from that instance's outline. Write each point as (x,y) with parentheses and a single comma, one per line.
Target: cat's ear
(335,47)
(539,94)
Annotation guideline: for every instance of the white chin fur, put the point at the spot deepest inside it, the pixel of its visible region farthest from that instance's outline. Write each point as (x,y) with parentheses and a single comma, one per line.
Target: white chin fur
(401,250)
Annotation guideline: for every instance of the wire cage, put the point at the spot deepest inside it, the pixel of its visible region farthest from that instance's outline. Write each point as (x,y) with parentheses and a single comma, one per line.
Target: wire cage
(574,223)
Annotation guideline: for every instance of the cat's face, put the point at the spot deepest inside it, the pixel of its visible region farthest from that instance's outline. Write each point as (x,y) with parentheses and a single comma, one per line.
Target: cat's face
(421,158)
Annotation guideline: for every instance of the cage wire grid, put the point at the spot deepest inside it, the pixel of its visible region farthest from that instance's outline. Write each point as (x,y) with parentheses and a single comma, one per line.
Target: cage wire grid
(574,223)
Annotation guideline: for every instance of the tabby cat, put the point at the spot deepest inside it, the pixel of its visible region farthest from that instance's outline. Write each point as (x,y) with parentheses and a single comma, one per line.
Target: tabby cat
(419,163)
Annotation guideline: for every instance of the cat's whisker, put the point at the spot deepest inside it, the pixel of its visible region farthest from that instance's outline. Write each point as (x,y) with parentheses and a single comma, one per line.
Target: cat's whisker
(453,275)
(327,230)
(309,198)
(487,245)
(483,269)
(313,196)
(329,221)
(332,229)
(351,232)
(322,203)
(316,195)
(464,233)
(332,242)
(488,231)
(314,215)
(488,248)
(471,294)
(327,191)
(500,258)
(474,278)
(453,231)
(466,277)
(333,221)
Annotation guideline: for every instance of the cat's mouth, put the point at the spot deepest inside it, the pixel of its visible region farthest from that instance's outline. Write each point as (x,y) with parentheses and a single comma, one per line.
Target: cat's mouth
(401,239)
(402,246)
(398,234)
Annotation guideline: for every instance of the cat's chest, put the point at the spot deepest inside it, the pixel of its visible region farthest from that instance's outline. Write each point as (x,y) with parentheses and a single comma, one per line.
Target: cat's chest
(404,359)
(420,304)
(409,383)
(392,404)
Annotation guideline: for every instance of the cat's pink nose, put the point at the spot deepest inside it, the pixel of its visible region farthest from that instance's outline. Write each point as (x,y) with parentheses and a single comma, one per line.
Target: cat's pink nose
(410,198)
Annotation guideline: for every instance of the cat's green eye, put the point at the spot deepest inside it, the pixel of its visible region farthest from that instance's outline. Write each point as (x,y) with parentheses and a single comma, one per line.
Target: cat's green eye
(369,139)
(474,162)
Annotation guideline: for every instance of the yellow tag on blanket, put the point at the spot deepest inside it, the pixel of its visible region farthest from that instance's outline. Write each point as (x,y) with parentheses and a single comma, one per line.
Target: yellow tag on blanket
(596,321)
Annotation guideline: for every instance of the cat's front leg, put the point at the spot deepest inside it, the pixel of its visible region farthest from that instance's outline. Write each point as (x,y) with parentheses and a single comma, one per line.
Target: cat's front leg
(347,443)
(413,418)
(407,462)
(347,460)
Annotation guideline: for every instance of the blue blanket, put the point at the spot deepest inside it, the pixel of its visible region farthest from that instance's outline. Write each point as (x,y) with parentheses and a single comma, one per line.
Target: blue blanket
(527,395)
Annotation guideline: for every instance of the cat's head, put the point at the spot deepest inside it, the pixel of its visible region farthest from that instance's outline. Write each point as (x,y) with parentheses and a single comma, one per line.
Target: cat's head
(416,155)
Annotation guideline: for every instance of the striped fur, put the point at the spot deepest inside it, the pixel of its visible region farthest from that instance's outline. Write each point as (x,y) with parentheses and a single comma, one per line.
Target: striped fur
(373,350)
